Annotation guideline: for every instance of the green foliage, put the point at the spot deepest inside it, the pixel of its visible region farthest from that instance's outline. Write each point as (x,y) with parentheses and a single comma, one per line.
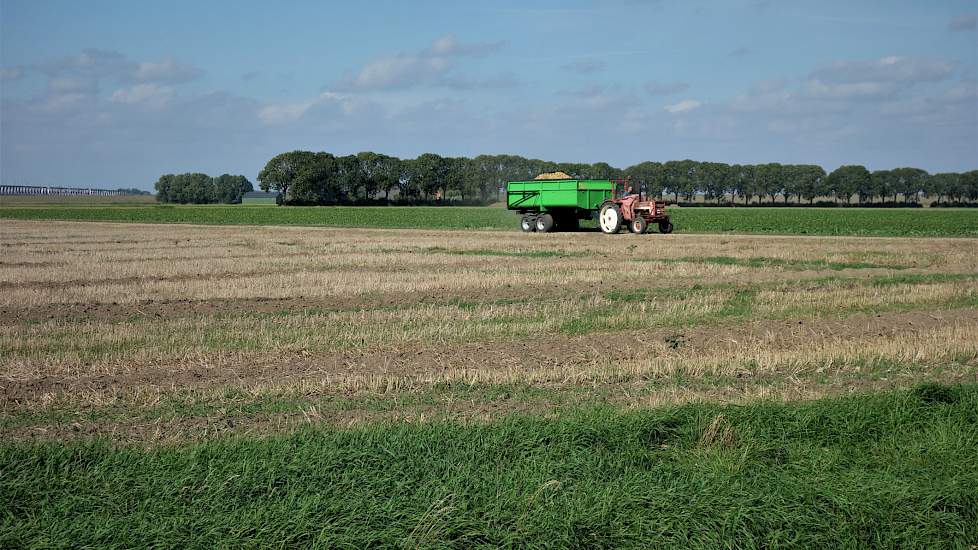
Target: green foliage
(936,222)
(199,188)
(846,181)
(321,178)
(886,470)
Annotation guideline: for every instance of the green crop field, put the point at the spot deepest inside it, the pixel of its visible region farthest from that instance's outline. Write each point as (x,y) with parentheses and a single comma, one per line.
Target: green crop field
(915,222)
(889,470)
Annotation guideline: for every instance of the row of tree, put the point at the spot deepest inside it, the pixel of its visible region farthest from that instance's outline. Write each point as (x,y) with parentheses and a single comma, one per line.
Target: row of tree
(305,177)
(199,188)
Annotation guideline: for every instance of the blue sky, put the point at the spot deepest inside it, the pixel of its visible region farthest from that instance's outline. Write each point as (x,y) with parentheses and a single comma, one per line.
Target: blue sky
(116,93)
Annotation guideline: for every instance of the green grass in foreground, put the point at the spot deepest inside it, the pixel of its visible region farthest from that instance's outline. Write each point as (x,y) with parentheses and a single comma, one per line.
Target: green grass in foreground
(789,221)
(885,470)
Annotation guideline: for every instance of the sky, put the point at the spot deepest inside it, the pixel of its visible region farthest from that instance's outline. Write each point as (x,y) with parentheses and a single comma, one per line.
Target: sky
(115,93)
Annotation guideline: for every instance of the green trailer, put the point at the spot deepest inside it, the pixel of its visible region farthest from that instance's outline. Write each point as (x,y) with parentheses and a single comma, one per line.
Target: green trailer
(548,205)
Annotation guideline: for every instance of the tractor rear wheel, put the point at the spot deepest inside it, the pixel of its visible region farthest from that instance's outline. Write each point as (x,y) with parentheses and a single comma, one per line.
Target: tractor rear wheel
(545,223)
(527,224)
(610,218)
(638,225)
(665,227)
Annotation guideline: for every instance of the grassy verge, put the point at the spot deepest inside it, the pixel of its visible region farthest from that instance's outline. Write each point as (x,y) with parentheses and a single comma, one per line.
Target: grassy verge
(892,469)
(788,221)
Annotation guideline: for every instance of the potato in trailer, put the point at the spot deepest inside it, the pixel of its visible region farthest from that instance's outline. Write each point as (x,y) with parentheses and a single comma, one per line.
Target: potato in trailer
(548,205)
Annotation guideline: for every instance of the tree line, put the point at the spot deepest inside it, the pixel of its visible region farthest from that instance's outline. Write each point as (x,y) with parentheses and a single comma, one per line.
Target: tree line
(196,188)
(305,177)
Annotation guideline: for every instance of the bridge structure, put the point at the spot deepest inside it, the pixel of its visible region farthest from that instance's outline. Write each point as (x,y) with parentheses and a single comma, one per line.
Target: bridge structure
(57,191)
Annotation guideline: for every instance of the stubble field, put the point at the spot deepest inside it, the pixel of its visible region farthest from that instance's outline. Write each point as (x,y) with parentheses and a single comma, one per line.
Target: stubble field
(591,382)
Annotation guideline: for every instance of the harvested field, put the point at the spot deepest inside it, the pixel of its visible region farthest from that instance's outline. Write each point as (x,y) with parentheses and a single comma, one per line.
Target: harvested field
(106,328)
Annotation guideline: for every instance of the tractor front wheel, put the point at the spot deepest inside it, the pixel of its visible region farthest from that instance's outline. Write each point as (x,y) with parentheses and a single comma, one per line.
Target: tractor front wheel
(545,223)
(638,225)
(527,224)
(665,227)
(610,218)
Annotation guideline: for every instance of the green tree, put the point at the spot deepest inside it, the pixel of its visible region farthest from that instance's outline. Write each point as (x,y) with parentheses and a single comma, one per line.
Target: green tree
(603,171)
(844,181)
(769,179)
(574,169)
(713,178)
(228,189)
(747,184)
(281,170)
(351,177)
(793,180)
(430,169)
(680,177)
(942,185)
(647,175)
(969,185)
(881,183)
(811,180)
(164,188)
(317,180)
(910,182)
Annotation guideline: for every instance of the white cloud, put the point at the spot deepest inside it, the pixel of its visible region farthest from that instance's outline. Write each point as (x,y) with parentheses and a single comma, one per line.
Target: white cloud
(684,106)
(665,88)
(431,66)
(964,22)
(585,66)
(62,104)
(72,84)
(846,90)
(96,64)
(168,71)
(283,113)
(12,73)
(894,69)
(153,96)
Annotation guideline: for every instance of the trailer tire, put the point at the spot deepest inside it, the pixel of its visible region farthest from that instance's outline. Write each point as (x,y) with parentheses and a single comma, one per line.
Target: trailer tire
(638,225)
(610,218)
(665,227)
(545,223)
(528,224)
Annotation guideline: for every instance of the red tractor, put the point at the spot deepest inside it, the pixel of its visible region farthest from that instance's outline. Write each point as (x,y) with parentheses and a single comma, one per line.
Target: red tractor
(637,210)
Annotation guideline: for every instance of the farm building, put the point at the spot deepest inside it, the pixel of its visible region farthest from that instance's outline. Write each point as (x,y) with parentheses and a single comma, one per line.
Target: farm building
(259,197)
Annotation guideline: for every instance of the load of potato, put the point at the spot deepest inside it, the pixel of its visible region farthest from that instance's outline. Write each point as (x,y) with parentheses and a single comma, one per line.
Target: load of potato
(553,176)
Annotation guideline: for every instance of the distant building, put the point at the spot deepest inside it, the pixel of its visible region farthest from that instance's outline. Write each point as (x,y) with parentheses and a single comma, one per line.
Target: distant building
(259,197)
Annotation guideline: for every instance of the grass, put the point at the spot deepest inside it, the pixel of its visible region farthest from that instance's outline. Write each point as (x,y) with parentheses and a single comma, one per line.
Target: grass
(784,221)
(887,470)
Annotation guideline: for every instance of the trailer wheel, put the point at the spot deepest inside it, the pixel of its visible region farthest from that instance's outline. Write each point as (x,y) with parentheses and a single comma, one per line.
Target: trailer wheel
(665,227)
(545,223)
(638,225)
(610,218)
(527,224)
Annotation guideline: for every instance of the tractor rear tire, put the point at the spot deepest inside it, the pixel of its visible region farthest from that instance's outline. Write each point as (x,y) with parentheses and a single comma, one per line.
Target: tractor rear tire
(665,227)
(610,219)
(528,224)
(545,223)
(638,225)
